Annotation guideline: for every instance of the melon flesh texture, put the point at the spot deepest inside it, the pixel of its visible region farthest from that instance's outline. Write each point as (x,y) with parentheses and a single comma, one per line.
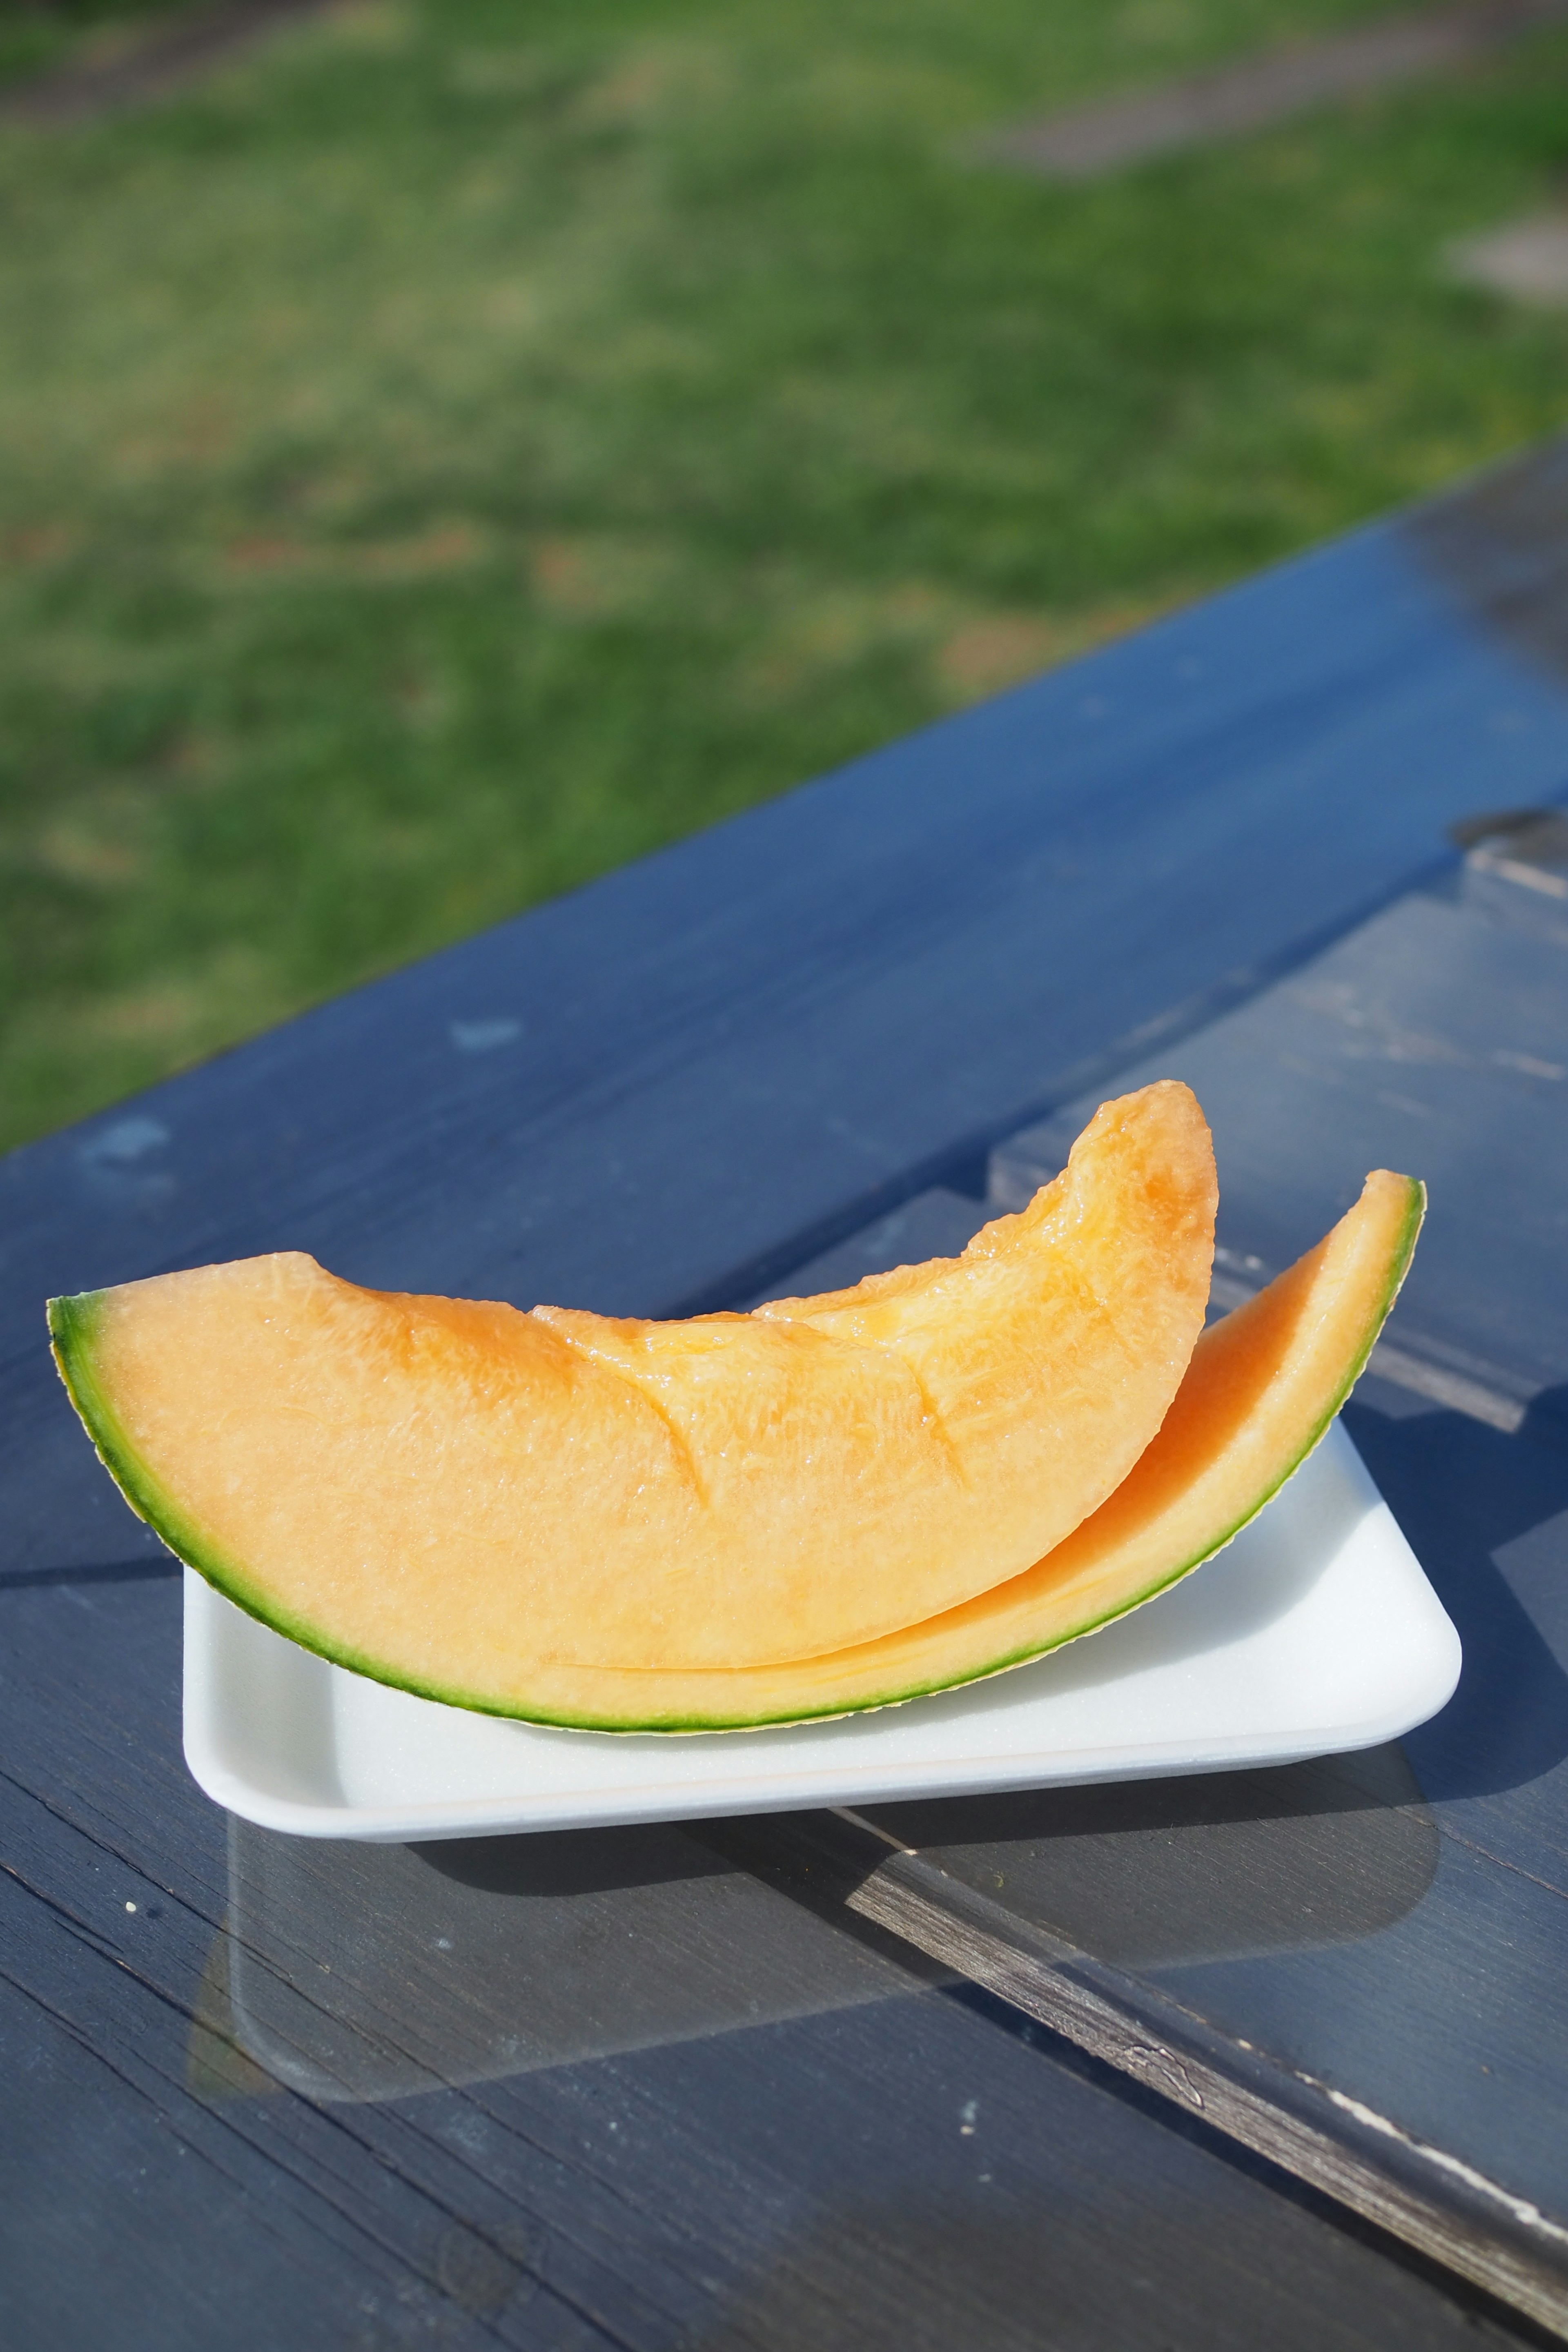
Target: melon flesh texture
(455,1497)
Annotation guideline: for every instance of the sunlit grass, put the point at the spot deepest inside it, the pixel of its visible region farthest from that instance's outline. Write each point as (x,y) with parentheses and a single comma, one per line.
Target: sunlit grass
(464,446)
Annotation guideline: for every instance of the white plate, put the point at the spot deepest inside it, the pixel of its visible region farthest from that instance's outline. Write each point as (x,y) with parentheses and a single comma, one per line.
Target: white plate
(1315,1630)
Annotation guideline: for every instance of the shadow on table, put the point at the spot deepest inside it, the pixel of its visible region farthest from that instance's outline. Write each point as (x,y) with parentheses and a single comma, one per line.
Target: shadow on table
(354,1971)
(1219,1866)
(1462,1492)
(1239,1864)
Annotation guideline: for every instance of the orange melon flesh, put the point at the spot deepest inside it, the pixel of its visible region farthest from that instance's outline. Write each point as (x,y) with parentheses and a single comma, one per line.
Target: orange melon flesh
(1262,1387)
(455,1497)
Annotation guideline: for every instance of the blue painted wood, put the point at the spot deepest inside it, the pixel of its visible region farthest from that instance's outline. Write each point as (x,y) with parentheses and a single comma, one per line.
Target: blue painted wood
(1432,1040)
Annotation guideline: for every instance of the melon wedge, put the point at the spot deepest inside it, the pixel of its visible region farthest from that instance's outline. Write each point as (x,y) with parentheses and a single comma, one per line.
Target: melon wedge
(1263,1387)
(457,1496)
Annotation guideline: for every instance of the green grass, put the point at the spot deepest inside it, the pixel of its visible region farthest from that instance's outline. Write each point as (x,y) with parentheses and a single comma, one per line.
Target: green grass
(462,445)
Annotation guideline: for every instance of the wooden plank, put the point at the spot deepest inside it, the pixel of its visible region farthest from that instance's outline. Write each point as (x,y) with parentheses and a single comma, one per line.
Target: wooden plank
(1452,2213)
(1416,1043)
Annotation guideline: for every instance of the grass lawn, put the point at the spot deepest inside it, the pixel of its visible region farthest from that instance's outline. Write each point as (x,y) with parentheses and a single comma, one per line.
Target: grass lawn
(469,442)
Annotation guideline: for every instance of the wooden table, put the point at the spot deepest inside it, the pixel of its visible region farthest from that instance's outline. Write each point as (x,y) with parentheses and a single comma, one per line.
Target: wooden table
(1276,2057)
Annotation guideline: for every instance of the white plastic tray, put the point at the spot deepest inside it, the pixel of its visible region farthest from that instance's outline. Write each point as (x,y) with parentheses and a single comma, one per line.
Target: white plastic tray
(1315,1630)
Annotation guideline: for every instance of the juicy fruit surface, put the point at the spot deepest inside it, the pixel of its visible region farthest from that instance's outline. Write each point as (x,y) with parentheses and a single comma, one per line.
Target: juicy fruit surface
(455,1495)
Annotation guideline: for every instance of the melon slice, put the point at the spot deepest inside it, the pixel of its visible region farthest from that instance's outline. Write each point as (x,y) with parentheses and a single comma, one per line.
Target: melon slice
(1262,1387)
(455,1497)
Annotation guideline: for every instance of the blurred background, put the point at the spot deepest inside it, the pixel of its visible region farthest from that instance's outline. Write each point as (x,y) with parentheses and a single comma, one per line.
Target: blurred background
(450,447)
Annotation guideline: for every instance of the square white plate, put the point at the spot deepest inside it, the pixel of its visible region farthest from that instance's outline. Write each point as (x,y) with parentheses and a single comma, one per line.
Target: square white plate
(1315,1630)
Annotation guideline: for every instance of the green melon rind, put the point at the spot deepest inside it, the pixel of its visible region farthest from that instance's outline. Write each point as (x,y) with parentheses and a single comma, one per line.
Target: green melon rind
(73,1329)
(73,1324)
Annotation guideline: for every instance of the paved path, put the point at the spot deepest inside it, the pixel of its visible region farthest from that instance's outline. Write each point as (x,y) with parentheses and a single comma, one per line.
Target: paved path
(172,53)
(1526,259)
(1260,91)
